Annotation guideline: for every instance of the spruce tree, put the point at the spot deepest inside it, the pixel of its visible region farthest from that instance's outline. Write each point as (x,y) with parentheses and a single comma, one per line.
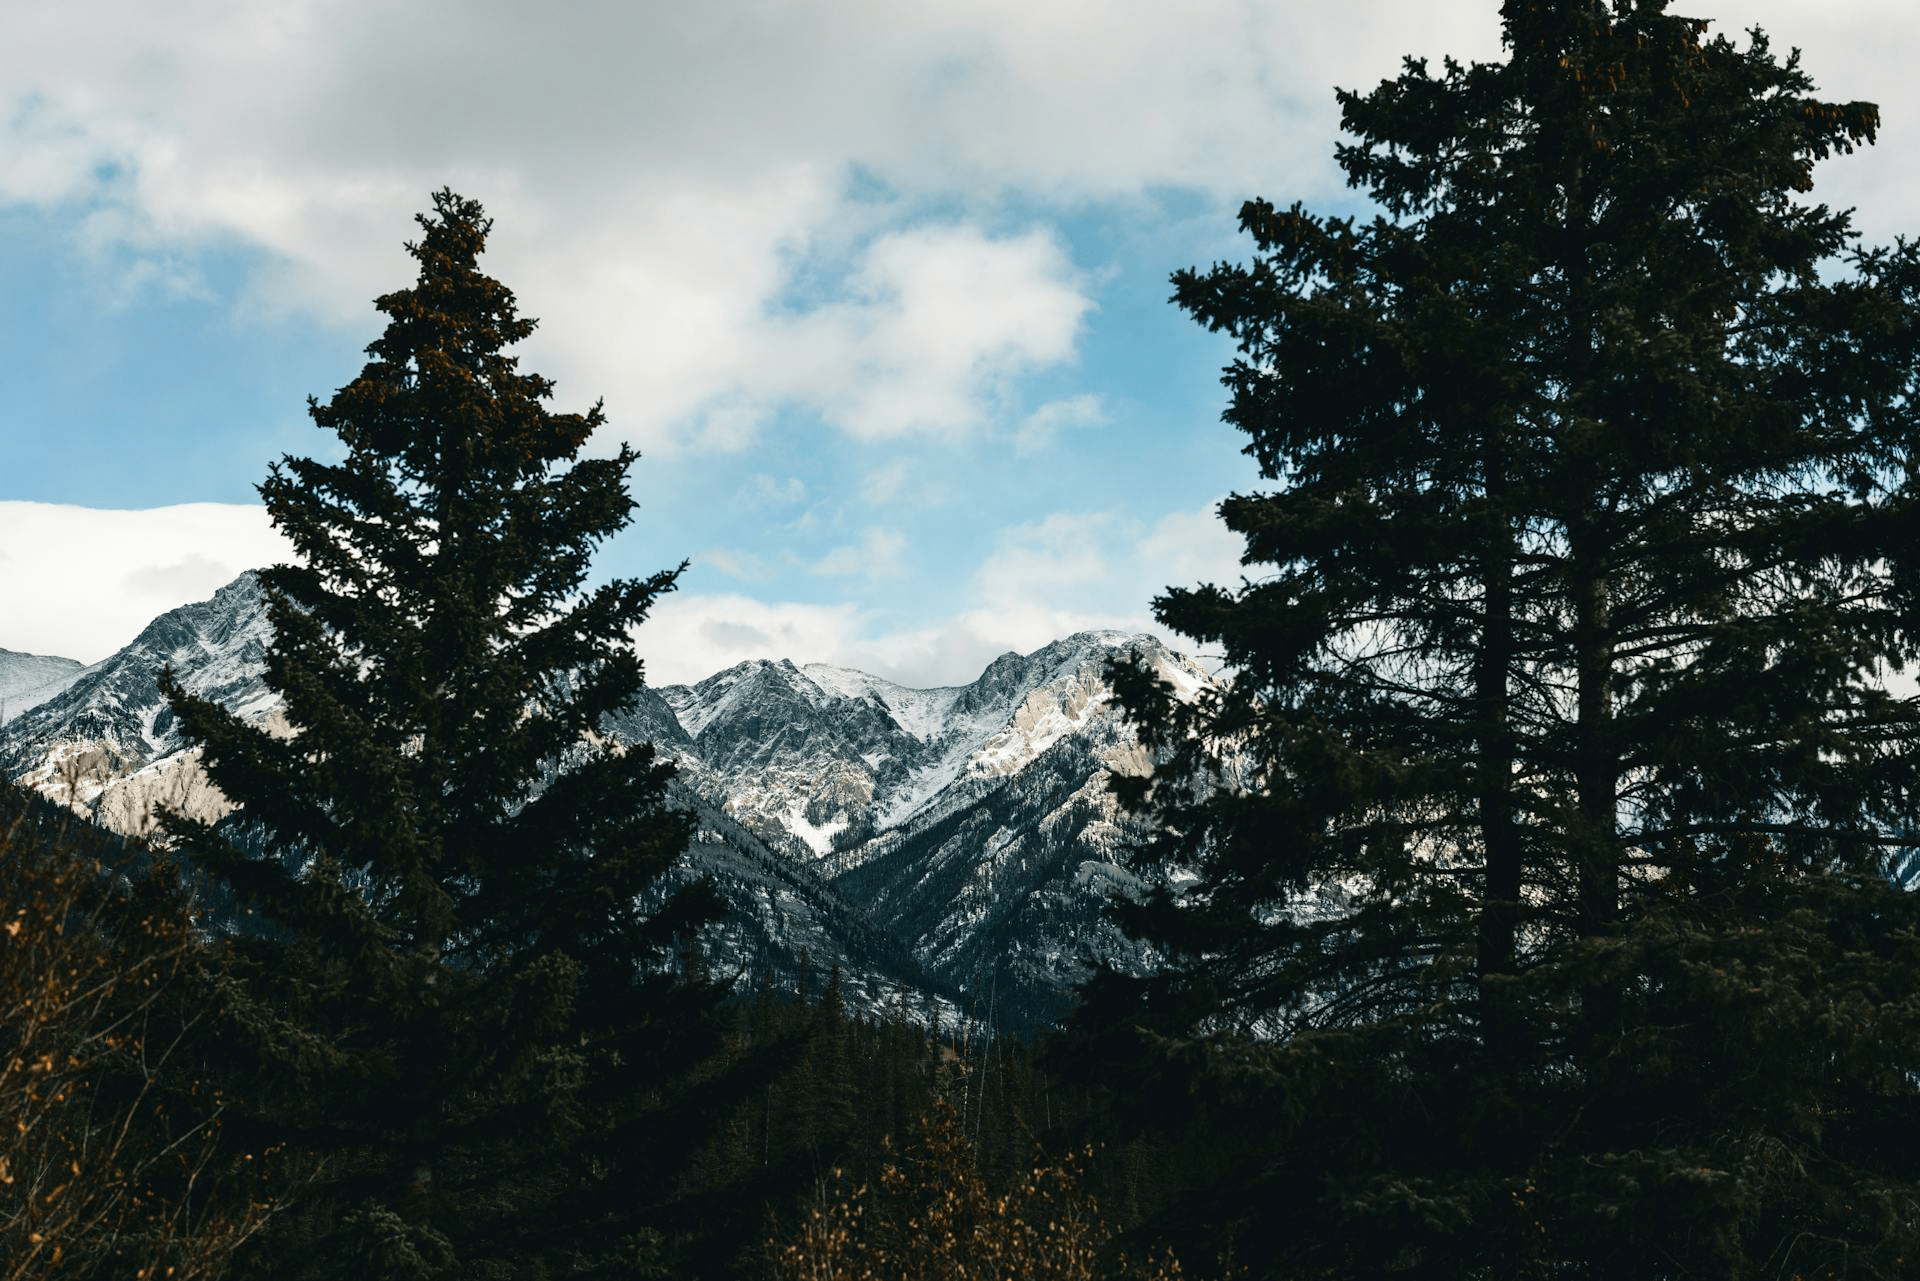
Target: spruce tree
(1543,925)
(451,996)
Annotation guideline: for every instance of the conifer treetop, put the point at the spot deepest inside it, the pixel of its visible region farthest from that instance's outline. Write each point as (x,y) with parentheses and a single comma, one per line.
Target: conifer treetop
(461,932)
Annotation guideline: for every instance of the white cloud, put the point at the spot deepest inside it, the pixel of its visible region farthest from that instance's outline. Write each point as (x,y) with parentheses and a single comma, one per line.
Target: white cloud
(936,320)
(1190,548)
(1075,571)
(1038,429)
(1067,573)
(672,182)
(743,565)
(136,564)
(1043,580)
(884,483)
(688,638)
(878,554)
(1063,557)
(763,490)
(675,144)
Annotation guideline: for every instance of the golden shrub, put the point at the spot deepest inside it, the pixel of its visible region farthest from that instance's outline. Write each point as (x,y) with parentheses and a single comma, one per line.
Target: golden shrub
(934,1217)
(102,1169)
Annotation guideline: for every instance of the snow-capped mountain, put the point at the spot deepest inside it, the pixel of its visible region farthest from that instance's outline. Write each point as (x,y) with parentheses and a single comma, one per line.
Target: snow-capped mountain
(958,841)
(971,823)
(107,743)
(28,680)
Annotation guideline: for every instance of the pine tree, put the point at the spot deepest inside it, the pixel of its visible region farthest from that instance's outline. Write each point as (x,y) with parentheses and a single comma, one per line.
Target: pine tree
(451,995)
(1543,925)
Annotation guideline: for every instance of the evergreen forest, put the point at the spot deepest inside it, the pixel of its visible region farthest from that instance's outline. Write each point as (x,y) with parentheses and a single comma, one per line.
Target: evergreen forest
(1541,909)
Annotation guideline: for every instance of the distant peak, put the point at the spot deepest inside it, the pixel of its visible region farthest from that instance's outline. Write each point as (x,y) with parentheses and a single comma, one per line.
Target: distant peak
(23,656)
(1109,638)
(246,586)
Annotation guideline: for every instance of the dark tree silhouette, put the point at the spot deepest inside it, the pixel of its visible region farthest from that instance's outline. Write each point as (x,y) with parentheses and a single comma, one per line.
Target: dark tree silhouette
(1543,925)
(453,998)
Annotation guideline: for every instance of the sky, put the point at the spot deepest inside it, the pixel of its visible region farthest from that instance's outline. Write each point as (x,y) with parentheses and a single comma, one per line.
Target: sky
(879,290)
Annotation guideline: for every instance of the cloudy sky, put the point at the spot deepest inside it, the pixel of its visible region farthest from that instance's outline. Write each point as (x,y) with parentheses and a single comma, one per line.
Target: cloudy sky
(878,289)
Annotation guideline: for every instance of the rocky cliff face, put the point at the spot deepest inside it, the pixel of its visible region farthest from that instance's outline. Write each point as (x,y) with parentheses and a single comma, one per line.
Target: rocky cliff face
(107,738)
(971,824)
(953,844)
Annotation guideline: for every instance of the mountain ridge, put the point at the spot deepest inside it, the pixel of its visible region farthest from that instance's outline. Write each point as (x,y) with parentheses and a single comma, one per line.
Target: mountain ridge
(934,843)
(27,680)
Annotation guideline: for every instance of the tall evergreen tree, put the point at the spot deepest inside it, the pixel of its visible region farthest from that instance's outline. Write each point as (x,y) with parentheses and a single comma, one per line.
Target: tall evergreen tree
(453,998)
(1543,918)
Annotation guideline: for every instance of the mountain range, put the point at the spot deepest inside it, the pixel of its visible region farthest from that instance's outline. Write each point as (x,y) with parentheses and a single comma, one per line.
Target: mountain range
(951,848)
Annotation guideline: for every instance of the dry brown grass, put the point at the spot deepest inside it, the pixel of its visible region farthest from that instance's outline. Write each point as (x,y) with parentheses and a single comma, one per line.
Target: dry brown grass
(110,1157)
